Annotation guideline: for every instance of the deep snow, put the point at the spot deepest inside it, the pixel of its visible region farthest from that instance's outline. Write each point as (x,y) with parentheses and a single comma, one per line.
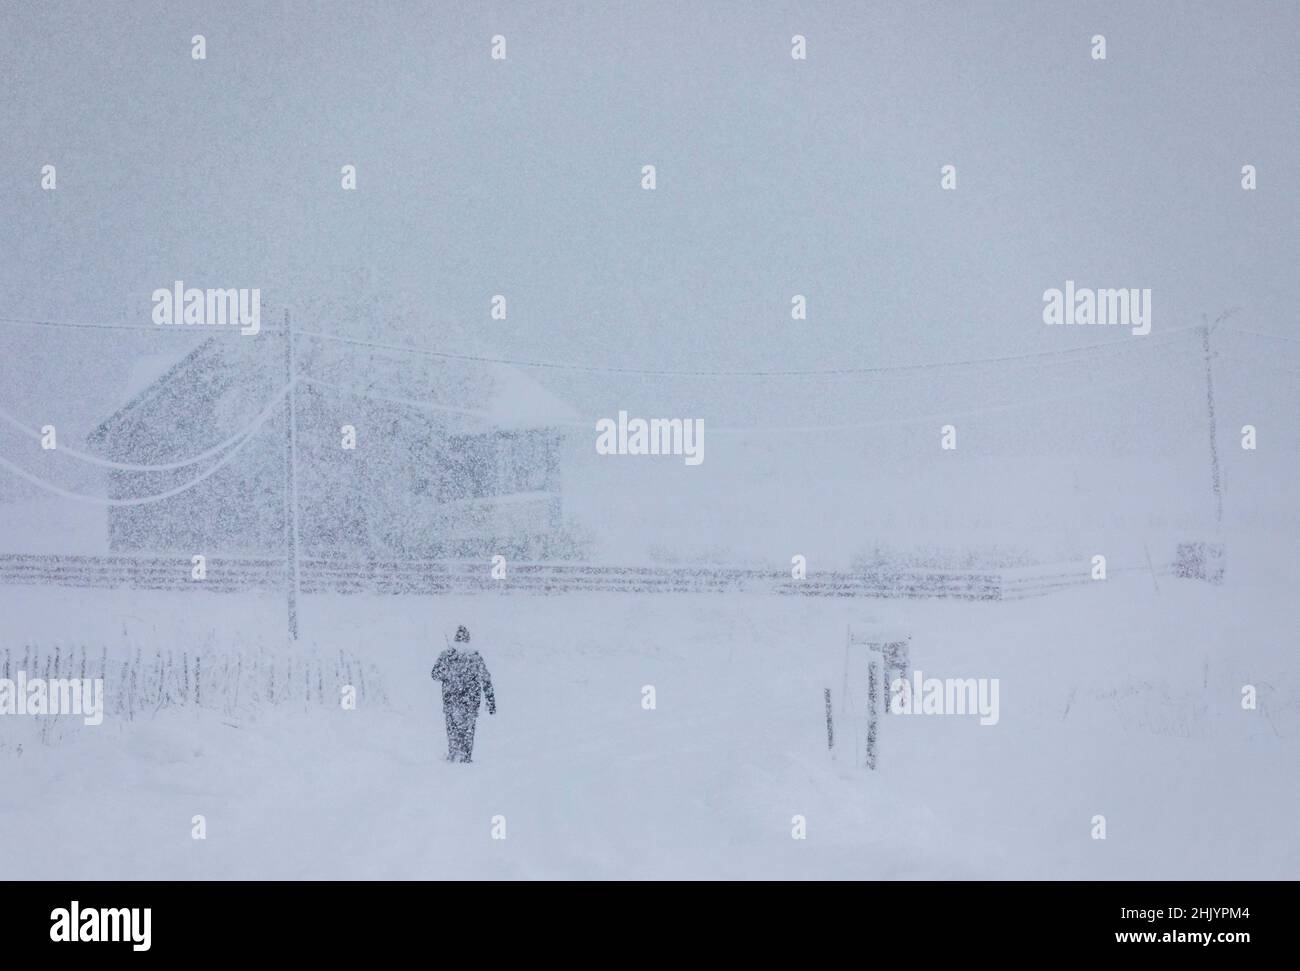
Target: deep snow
(1115,699)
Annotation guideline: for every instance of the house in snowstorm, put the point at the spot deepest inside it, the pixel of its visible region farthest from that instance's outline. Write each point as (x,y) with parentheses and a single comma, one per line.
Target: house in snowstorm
(398,455)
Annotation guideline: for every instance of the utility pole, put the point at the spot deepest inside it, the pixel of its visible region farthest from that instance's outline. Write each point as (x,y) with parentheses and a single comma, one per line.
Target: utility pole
(1216,477)
(291,482)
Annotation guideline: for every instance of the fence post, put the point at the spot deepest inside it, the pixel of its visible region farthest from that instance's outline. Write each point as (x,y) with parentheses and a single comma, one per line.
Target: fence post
(873,707)
(291,482)
(830,728)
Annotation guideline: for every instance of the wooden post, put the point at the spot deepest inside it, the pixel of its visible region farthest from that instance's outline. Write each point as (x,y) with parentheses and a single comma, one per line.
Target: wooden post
(291,483)
(830,728)
(874,675)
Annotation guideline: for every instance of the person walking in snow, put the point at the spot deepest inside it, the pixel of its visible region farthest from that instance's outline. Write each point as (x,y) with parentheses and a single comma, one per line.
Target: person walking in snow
(463,675)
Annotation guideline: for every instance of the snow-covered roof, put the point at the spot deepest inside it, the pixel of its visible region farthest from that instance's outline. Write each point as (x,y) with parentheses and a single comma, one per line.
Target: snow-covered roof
(512,399)
(518,401)
(145,371)
(145,376)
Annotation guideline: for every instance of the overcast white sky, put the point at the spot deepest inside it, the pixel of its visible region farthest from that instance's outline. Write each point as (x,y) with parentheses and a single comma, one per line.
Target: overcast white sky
(775,176)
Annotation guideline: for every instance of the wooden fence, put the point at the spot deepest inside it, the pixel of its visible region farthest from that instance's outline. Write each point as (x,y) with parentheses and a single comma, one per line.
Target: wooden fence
(226,574)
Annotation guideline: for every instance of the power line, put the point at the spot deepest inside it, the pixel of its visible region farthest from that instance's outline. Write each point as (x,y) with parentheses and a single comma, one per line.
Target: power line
(823,372)
(917,419)
(138,501)
(757,429)
(1123,343)
(1266,365)
(155,328)
(166,467)
(245,436)
(1272,337)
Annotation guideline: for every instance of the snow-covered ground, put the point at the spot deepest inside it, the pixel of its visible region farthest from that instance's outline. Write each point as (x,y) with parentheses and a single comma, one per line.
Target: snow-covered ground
(1115,699)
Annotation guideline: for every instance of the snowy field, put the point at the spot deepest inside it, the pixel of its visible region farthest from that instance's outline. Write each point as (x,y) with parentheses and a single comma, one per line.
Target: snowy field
(1116,699)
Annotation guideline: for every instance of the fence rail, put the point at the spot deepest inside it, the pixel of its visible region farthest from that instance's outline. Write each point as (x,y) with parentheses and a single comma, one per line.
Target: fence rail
(227,574)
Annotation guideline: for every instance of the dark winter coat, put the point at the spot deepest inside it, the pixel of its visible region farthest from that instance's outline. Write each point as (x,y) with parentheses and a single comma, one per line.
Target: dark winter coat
(464,675)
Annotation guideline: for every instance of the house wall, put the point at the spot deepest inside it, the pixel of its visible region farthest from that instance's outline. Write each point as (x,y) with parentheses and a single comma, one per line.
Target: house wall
(411,487)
